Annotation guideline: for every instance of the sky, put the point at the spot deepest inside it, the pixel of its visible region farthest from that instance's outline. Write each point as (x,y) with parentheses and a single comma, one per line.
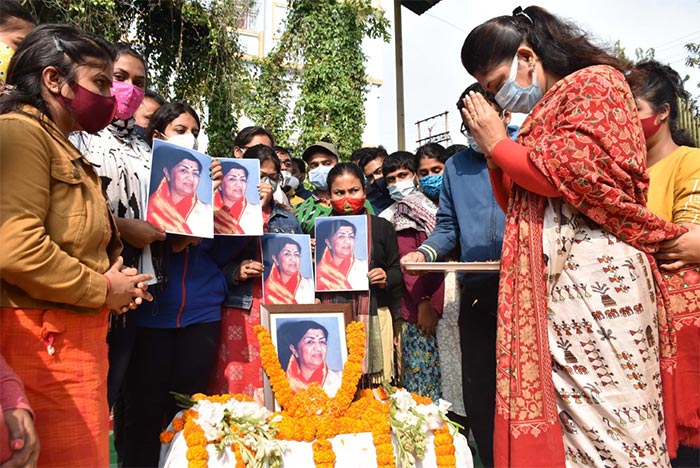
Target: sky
(434,76)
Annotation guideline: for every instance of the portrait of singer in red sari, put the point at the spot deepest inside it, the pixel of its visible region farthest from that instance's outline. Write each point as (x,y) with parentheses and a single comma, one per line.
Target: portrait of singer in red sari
(338,265)
(176,203)
(237,210)
(287,261)
(309,349)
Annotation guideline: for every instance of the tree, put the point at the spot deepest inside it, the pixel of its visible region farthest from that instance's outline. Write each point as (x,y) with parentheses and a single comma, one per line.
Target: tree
(190,46)
(321,49)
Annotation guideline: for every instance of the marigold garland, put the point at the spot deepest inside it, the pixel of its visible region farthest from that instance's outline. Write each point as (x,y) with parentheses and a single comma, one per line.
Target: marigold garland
(312,416)
(444,447)
(324,456)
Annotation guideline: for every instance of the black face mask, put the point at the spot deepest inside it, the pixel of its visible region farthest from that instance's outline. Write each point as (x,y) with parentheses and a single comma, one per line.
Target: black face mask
(378,195)
(140,132)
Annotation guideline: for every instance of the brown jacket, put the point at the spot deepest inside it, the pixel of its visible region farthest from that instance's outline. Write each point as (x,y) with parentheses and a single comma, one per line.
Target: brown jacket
(57,236)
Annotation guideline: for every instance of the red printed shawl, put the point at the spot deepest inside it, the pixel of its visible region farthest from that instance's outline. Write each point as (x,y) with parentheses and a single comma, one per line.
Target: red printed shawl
(585,137)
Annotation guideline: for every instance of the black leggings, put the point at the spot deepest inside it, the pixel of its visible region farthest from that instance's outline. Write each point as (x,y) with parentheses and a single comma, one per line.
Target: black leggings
(163,361)
(477,327)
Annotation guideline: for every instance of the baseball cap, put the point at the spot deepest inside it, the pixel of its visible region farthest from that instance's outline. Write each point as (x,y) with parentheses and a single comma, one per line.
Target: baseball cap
(320,146)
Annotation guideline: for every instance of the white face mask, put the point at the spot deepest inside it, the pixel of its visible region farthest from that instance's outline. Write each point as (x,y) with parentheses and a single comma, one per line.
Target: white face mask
(514,97)
(401,189)
(318,177)
(474,145)
(288,180)
(186,140)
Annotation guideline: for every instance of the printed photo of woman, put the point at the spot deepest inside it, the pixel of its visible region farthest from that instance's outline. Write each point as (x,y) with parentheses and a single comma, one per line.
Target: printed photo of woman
(237,202)
(288,276)
(178,203)
(341,254)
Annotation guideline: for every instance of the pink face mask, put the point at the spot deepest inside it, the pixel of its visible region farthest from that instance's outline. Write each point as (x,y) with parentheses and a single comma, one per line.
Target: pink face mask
(129,98)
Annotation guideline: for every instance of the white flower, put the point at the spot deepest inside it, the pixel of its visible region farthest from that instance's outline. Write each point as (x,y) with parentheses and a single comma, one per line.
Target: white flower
(432,418)
(444,406)
(403,400)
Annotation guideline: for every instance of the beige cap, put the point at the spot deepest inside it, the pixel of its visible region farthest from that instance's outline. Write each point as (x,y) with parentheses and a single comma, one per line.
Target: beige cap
(320,146)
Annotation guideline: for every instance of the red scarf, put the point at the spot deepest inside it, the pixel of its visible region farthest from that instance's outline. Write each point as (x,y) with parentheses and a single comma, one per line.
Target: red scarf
(584,136)
(298,382)
(162,212)
(330,277)
(226,219)
(684,295)
(279,292)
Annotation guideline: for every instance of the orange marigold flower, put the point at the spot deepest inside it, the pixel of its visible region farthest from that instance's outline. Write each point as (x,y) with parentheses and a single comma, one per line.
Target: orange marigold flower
(178,424)
(166,437)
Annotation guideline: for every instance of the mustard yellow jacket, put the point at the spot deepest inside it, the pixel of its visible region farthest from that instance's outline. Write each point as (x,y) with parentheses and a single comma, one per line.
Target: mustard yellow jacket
(57,236)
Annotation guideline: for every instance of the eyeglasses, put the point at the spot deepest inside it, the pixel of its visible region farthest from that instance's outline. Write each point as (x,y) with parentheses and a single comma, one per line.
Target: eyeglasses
(270,178)
(286,163)
(464,130)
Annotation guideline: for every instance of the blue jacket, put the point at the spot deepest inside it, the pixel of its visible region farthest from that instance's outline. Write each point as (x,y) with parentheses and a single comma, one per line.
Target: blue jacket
(241,294)
(468,217)
(195,289)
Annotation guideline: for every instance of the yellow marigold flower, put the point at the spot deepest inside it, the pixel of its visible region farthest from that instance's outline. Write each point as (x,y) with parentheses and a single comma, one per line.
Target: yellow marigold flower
(198,452)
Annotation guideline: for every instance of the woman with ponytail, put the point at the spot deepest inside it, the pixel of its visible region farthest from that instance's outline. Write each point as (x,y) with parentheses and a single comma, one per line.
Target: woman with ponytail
(674,195)
(583,341)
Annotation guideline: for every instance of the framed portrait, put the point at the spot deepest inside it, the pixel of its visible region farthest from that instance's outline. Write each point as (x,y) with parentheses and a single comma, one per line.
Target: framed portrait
(237,208)
(341,253)
(310,343)
(288,272)
(180,191)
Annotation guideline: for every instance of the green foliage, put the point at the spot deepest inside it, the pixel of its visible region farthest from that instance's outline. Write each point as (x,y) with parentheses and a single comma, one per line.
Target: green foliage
(325,38)
(190,46)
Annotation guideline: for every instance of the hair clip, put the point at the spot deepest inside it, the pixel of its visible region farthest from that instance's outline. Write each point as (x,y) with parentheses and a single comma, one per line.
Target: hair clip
(57,42)
(6,89)
(519,12)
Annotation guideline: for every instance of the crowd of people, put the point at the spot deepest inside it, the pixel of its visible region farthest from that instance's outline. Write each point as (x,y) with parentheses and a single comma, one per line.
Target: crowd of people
(584,350)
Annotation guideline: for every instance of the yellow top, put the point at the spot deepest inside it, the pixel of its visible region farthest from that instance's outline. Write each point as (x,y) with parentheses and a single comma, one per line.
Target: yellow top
(674,186)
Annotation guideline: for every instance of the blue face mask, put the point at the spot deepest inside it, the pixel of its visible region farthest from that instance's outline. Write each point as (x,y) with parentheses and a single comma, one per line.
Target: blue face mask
(514,97)
(319,177)
(431,185)
(401,189)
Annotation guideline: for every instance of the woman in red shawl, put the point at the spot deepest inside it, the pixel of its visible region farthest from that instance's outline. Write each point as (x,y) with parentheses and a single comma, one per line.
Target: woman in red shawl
(583,341)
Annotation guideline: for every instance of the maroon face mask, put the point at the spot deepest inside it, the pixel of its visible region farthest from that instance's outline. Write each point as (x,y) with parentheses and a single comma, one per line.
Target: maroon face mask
(91,110)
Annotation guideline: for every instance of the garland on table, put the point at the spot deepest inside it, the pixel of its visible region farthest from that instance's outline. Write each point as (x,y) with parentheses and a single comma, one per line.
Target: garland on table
(252,433)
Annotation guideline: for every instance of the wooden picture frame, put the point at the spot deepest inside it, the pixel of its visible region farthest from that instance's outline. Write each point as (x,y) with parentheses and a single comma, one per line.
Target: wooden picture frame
(285,324)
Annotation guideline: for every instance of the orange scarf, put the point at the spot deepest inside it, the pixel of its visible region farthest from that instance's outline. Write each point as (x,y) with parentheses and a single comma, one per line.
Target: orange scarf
(298,382)
(332,278)
(162,212)
(279,292)
(226,220)
(585,137)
